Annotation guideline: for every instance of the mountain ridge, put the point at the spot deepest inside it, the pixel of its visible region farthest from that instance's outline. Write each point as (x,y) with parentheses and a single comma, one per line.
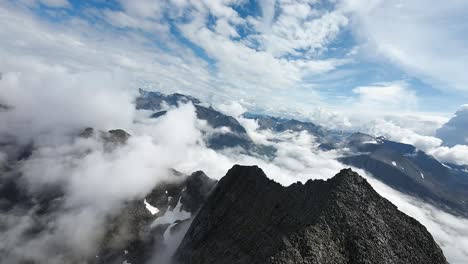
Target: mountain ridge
(249,218)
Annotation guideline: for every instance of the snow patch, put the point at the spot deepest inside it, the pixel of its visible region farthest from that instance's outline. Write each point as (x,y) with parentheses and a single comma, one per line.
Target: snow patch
(171,216)
(153,210)
(448,167)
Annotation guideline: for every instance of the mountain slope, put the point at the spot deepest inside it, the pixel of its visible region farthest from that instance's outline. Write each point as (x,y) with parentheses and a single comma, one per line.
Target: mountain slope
(409,170)
(154,226)
(235,136)
(249,218)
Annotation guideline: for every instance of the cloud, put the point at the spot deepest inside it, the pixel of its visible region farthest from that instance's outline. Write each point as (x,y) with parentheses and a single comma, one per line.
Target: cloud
(425,40)
(96,182)
(144,8)
(388,97)
(298,29)
(60,102)
(450,232)
(78,46)
(457,154)
(394,132)
(455,131)
(300,159)
(59,78)
(56,3)
(424,124)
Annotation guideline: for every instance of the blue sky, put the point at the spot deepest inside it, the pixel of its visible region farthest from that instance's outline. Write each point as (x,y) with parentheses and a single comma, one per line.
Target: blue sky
(392,56)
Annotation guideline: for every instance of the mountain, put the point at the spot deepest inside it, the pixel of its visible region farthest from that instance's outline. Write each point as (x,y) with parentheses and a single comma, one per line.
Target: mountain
(234,136)
(401,166)
(326,137)
(249,218)
(155,100)
(410,171)
(278,124)
(455,131)
(154,225)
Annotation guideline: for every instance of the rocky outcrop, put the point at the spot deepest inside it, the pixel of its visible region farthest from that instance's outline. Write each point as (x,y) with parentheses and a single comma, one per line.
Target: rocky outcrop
(249,218)
(138,233)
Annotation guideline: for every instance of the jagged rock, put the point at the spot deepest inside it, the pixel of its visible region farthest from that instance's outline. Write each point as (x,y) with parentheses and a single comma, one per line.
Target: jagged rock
(132,236)
(117,136)
(249,218)
(114,136)
(87,132)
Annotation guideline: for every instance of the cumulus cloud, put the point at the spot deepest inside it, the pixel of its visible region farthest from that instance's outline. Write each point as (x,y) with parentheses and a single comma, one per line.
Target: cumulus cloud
(416,36)
(96,182)
(457,154)
(61,102)
(386,97)
(56,3)
(455,131)
(58,79)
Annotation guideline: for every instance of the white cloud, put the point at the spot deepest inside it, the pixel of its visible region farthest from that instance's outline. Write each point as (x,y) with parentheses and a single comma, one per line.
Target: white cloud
(457,154)
(56,3)
(427,40)
(396,96)
(60,102)
(96,182)
(455,131)
(60,77)
(144,8)
(299,159)
(424,124)
(76,46)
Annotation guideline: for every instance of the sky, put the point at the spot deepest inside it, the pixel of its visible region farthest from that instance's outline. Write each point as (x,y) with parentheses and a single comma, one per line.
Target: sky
(68,64)
(394,57)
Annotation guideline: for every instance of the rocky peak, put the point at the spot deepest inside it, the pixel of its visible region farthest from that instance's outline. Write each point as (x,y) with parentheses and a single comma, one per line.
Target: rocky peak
(114,136)
(249,218)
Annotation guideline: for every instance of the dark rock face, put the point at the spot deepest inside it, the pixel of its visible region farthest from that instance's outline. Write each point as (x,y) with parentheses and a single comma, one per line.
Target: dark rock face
(154,100)
(131,236)
(411,171)
(114,136)
(249,218)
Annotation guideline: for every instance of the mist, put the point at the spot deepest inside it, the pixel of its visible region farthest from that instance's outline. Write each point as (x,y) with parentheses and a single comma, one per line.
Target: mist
(48,111)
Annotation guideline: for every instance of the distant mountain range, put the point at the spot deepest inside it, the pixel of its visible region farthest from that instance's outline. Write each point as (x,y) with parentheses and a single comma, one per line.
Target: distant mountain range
(248,218)
(399,165)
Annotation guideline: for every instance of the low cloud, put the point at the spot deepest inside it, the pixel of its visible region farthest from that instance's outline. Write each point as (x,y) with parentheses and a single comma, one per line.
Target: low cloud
(455,131)
(457,154)
(385,97)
